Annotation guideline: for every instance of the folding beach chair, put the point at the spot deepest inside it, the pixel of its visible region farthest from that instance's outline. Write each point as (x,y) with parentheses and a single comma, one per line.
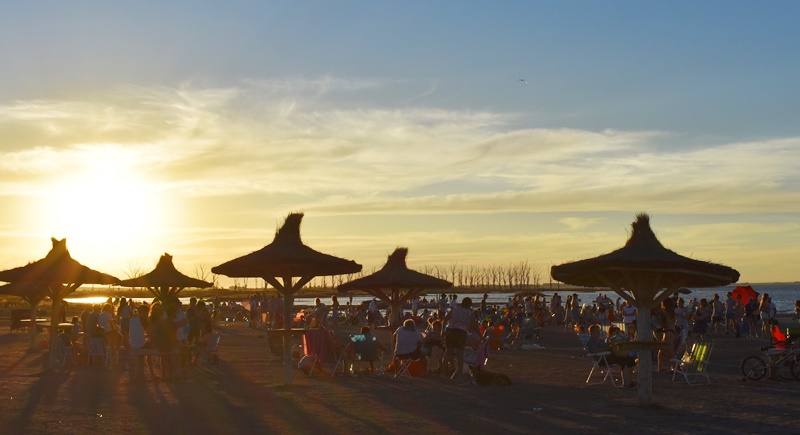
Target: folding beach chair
(275,346)
(476,359)
(212,348)
(317,345)
(600,365)
(694,364)
(363,350)
(63,353)
(405,364)
(98,351)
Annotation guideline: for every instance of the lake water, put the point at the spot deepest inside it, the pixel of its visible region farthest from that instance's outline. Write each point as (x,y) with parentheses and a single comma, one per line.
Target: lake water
(784,296)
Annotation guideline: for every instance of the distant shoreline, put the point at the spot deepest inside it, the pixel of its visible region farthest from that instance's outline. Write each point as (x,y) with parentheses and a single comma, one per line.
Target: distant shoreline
(242,293)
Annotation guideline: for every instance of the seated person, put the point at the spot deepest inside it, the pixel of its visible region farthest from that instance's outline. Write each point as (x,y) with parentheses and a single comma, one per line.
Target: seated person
(597,345)
(353,348)
(514,339)
(64,338)
(408,341)
(76,328)
(433,345)
(322,343)
(433,337)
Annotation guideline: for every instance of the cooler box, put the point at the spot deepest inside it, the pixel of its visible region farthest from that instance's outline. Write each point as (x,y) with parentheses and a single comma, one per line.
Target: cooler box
(418,367)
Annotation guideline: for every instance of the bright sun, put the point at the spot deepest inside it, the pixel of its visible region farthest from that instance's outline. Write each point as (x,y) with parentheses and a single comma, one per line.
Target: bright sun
(106,212)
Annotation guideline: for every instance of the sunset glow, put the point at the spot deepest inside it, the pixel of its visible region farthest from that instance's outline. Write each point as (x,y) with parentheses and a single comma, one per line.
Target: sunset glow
(132,143)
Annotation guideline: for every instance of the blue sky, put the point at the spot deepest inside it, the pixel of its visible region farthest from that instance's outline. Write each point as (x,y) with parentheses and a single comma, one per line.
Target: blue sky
(401,124)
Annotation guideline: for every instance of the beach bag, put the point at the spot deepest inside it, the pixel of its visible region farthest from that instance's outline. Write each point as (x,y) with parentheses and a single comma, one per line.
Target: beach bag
(616,339)
(307,363)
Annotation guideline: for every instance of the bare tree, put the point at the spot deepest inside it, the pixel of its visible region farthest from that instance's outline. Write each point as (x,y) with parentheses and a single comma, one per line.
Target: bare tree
(453,269)
(134,269)
(202,271)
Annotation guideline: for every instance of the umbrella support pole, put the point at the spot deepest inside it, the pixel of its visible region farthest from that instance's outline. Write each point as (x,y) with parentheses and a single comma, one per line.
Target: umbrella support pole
(288,303)
(644,331)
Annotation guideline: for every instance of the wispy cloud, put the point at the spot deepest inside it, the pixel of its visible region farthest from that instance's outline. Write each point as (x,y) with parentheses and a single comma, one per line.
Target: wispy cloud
(257,149)
(274,136)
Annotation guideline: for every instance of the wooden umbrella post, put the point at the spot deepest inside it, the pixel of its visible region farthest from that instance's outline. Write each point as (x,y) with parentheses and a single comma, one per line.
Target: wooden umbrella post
(288,304)
(644,331)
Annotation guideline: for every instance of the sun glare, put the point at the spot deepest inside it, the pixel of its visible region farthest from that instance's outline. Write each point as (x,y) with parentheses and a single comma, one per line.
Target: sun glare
(106,211)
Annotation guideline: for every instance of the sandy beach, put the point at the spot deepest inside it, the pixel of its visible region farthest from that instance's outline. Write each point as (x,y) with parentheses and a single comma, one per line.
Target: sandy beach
(244,393)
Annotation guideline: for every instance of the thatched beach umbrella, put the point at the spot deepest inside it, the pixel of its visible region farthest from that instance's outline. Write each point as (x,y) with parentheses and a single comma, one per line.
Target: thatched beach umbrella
(395,283)
(165,282)
(645,273)
(32,294)
(56,275)
(287,258)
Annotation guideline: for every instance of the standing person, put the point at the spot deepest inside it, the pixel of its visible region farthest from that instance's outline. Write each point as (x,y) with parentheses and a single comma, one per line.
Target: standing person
(629,319)
(335,308)
(124,314)
(738,314)
(668,325)
(414,305)
(194,324)
(702,315)
(373,314)
(797,310)
(730,315)
(751,317)
(682,316)
(763,308)
(442,305)
(87,309)
(569,320)
(717,313)
(113,337)
(458,320)
(91,321)
(484,306)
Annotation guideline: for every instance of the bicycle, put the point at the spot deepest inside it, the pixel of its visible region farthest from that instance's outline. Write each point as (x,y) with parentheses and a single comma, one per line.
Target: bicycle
(787,365)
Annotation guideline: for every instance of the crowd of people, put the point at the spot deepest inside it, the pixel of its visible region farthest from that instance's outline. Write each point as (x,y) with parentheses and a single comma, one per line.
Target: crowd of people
(123,326)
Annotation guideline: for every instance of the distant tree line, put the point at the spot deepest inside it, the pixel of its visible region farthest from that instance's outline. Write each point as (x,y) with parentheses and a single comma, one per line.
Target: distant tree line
(514,276)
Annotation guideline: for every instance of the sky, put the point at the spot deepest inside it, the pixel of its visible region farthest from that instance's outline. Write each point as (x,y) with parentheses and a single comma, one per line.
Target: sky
(473,133)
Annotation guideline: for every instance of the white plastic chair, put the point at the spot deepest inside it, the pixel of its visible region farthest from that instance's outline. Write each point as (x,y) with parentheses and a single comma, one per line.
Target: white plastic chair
(98,349)
(62,353)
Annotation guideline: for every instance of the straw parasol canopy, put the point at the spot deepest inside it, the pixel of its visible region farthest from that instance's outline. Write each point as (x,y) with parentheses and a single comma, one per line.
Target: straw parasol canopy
(638,272)
(56,275)
(165,282)
(396,277)
(287,258)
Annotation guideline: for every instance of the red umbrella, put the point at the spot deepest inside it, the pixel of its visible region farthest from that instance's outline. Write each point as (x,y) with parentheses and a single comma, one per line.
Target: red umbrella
(746,291)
